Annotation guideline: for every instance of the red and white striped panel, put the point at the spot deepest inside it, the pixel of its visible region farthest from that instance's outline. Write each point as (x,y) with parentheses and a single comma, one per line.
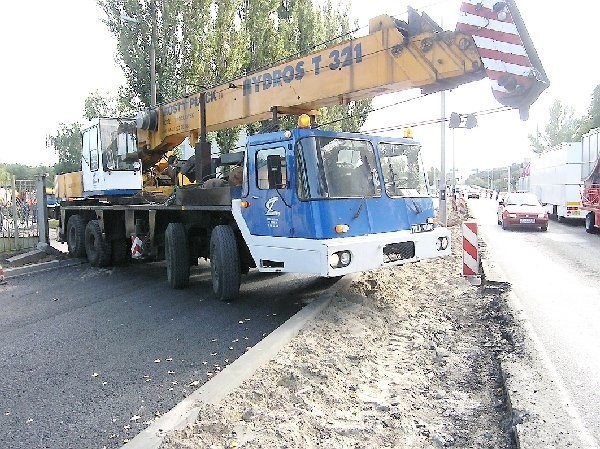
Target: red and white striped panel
(470,249)
(510,61)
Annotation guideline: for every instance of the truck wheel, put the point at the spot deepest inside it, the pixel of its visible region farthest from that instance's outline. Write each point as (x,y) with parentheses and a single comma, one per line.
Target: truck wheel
(224,263)
(97,248)
(76,236)
(177,256)
(590,220)
(120,251)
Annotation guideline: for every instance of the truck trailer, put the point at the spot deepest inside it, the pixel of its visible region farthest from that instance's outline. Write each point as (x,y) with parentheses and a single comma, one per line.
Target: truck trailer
(555,178)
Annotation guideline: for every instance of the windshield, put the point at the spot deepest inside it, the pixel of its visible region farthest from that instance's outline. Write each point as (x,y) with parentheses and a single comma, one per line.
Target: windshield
(522,199)
(336,168)
(403,172)
(119,149)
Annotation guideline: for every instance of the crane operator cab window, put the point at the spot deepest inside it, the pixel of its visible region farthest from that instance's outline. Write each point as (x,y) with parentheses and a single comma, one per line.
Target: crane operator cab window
(402,169)
(336,168)
(118,145)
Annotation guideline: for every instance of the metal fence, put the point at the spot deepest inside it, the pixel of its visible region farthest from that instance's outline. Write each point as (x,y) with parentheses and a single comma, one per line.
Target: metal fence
(22,204)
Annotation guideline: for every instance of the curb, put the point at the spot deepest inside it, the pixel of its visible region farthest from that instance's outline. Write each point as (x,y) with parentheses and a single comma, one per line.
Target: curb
(234,374)
(41,267)
(493,276)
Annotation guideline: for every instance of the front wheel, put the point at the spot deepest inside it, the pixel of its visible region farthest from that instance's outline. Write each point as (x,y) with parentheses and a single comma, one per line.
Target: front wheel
(590,221)
(224,263)
(504,225)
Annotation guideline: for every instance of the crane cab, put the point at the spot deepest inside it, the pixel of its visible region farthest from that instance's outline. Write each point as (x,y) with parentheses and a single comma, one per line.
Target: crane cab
(109,162)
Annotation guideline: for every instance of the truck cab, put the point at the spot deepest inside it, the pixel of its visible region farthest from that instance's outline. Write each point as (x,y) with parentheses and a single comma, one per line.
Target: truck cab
(331,203)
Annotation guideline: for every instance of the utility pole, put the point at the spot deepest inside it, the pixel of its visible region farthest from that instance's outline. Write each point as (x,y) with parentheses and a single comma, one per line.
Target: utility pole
(442,210)
(153,55)
(509,178)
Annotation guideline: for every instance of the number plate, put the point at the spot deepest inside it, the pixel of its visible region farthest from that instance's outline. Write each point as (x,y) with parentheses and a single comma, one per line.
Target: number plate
(527,220)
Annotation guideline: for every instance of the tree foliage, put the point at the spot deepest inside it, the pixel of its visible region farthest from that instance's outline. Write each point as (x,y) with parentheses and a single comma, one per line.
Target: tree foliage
(562,126)
(67,145)
(592,119)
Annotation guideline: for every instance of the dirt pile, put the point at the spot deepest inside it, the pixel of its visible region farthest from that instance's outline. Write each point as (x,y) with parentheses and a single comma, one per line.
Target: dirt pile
(403,357)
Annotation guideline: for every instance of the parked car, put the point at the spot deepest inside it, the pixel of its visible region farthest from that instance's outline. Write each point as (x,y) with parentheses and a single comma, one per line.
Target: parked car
(522,210)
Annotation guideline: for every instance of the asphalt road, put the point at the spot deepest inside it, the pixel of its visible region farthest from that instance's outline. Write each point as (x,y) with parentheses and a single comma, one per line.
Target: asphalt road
(88,357)
(555,275)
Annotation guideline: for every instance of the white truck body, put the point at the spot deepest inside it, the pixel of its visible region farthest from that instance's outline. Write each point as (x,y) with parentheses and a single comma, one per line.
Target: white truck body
(555,177)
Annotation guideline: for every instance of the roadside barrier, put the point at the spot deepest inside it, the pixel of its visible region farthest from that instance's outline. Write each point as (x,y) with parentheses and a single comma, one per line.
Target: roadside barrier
(471,252)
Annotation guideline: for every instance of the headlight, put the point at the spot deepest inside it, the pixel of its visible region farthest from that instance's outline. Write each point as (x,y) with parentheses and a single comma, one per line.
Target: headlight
(512,215)
(345,258)
(334,260)
(442,243)
(541,215)
(340,259)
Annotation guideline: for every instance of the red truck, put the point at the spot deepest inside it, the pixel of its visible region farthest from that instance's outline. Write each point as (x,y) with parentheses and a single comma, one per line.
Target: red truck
(590,196)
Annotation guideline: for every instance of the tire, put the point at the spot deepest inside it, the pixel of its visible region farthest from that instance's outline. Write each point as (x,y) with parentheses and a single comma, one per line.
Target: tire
(224,263)
(76,236)
(121,254)
(590,220)
(177,255)
(97,248)
(504,226)
(544,228)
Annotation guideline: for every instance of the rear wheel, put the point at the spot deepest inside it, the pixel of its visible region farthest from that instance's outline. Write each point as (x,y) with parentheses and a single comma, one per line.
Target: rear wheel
(590,220)
(544,228)
(224,263)
(97,248)
(120,252)
(177,255)
(76,236)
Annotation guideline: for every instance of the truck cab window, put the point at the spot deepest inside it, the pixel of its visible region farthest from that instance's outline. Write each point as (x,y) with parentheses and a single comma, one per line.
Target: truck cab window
(119,149)
(402,169)
(92,134)
(336,168)
(271,169)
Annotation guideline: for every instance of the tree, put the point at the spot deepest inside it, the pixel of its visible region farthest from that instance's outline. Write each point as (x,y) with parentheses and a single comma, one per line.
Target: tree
(98,105)
(561,127)
(67,145)
(592,120)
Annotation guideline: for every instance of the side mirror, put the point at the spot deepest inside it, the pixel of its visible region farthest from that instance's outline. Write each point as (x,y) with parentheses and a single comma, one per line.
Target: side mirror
(501,202)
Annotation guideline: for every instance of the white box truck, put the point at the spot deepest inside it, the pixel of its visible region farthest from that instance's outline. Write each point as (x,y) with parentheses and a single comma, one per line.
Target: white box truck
(556,178)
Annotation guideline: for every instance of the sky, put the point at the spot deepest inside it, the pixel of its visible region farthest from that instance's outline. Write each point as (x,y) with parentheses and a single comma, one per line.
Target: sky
(56,53)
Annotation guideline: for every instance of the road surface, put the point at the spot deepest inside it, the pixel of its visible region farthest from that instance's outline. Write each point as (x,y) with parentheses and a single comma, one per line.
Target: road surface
(555,275)
(90,356)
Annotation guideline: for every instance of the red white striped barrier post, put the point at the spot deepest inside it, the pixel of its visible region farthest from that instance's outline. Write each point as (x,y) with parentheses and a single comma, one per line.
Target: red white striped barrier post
(471,252)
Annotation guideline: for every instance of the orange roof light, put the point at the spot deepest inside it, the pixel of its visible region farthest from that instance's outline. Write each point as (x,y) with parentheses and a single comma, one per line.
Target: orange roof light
(408,133)
(304,121)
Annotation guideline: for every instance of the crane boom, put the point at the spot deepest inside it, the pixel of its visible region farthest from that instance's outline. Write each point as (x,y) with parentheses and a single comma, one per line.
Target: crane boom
(394,56)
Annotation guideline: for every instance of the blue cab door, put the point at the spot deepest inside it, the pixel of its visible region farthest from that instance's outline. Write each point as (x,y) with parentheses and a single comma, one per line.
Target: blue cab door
(270,194)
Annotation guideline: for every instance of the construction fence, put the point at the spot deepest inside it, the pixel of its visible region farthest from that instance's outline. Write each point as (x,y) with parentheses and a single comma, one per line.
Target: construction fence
(23,215)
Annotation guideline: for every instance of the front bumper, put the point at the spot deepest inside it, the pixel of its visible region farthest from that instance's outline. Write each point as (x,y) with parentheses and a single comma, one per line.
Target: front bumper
(367,252)
(516,223)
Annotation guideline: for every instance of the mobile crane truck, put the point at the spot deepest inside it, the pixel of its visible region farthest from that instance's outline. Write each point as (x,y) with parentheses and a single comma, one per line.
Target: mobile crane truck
(303,200)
